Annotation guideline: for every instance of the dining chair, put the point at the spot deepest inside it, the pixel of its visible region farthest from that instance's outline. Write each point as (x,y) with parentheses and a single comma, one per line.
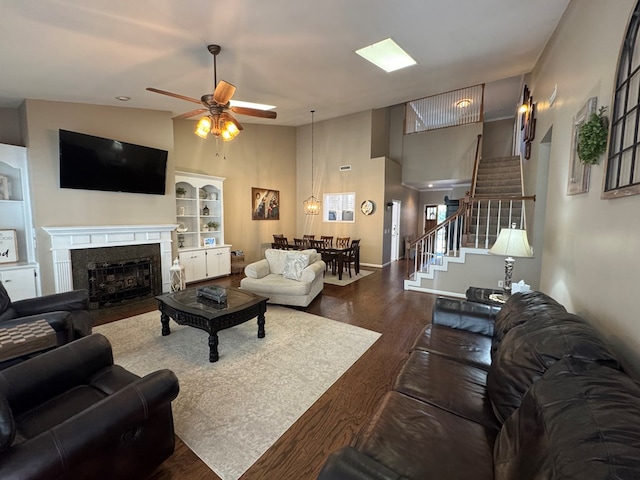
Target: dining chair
(328,241)
(280,243)
(307,239)
(300,242)
(342,242)
(328,257)
(317,244)
(351,256)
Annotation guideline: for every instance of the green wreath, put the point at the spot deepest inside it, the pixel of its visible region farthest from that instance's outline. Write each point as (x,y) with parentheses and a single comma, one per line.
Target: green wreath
(592,137)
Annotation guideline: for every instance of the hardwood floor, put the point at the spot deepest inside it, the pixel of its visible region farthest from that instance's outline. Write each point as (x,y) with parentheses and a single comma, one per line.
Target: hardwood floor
(377,302)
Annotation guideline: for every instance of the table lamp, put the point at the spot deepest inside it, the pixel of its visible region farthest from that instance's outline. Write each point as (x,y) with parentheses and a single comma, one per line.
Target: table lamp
(511,242)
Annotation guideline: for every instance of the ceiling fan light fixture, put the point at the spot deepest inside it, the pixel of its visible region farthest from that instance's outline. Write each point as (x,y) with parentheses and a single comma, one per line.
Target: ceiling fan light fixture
(204,126)
(229,131)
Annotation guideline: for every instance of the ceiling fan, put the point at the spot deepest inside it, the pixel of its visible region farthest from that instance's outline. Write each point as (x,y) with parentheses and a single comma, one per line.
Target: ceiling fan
(219,121)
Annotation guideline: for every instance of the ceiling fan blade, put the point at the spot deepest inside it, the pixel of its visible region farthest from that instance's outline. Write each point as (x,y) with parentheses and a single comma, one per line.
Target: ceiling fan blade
(190,114)
(174,95)
(232,119)
(254,112)
(223,92)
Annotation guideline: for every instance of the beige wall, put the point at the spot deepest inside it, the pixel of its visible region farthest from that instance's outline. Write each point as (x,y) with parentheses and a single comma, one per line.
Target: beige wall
(55,206)
(497,138)
(262,156)
(342,141)
(443,154)
(590,258)
(10,127)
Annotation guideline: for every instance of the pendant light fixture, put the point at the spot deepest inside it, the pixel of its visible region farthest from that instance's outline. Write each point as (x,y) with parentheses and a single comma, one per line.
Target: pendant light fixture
(311,204)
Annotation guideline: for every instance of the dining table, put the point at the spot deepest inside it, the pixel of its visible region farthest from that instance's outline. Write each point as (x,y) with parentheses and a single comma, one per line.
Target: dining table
(339,254)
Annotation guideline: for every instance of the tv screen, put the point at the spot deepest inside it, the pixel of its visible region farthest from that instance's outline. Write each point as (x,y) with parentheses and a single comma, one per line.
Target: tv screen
(95,163)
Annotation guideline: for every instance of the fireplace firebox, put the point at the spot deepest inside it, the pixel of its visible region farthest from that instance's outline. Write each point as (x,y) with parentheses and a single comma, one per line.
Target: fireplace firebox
(115,275)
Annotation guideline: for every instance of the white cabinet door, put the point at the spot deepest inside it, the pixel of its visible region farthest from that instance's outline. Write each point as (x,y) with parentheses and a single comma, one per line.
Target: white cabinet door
(218,262)
(195,265)
(20,283)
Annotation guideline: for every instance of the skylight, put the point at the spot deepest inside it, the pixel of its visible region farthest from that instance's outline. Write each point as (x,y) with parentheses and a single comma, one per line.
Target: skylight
(387,55)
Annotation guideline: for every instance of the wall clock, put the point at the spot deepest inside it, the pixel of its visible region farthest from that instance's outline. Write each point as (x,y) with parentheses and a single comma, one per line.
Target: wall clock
(367,207)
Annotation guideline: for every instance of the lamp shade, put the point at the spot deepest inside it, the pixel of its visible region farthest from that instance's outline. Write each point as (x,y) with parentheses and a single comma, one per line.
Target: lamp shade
(512,242)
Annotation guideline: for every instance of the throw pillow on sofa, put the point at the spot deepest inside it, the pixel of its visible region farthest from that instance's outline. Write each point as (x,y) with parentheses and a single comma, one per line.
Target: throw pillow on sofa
(580,420)
(294,264)
(528,350)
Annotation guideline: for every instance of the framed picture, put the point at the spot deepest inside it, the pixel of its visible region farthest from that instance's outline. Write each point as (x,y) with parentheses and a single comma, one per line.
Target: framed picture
(579,172)
(209,241)
(8,246)
(265,204)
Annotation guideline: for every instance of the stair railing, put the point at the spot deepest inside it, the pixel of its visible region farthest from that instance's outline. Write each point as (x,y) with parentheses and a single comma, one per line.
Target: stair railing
(487,215)
(476,165)
(470,226)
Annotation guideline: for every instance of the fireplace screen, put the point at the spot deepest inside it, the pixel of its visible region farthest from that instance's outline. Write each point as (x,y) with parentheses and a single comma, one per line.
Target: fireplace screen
(115,275)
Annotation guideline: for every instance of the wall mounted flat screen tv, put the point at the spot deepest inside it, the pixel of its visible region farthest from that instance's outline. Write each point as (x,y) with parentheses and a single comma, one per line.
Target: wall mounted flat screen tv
(95,163)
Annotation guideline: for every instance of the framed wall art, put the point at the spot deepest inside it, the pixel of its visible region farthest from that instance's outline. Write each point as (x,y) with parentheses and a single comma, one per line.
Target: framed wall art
(8,246)
(265,204)
(579,172)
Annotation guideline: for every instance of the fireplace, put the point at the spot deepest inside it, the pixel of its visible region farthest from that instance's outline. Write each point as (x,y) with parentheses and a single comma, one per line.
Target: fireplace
(68,242)
(115,275)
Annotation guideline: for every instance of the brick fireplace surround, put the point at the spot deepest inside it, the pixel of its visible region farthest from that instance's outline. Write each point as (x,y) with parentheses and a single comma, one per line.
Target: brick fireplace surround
(65,239)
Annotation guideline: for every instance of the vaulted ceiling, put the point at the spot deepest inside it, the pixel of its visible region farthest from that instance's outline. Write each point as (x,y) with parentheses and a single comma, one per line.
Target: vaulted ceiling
(297,55)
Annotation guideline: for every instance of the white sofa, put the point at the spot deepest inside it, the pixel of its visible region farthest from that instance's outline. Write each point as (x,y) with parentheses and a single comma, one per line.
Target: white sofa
(287,277)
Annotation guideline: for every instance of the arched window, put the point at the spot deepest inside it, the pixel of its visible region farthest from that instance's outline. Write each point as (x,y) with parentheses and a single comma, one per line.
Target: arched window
(623,160)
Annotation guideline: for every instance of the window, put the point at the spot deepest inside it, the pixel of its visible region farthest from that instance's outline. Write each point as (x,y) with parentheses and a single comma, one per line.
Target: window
(623,163)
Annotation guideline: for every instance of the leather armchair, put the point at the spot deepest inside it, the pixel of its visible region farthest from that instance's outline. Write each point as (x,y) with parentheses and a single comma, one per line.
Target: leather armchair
(71,413)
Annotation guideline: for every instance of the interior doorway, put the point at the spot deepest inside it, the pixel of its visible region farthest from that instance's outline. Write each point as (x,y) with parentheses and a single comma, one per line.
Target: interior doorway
(395,230)
(435,215)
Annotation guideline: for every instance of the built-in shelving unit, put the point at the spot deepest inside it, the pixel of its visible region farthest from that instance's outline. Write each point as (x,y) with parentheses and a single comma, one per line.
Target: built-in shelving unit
(19,277)
(200,233)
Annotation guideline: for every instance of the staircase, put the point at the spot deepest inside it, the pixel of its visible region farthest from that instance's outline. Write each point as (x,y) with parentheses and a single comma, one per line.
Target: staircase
(496,180)
(495,201)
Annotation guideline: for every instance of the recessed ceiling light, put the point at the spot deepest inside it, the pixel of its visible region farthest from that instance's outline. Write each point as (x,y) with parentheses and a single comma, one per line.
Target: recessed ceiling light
(123,98)
(387,55)
(464,103)
(430,185)
(258,106)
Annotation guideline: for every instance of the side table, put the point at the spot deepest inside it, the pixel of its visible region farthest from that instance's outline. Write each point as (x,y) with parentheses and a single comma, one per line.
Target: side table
(483,295)
(21,339)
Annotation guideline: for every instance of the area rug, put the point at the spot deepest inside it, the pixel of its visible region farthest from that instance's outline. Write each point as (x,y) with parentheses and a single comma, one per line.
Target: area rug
(230,412)
(346,280)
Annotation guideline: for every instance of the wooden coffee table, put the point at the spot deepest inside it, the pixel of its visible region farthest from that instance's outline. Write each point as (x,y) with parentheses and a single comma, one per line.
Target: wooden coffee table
(186,308)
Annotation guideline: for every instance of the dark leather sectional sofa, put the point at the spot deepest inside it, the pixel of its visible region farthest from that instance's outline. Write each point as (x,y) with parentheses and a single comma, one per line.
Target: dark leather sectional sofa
(529,392)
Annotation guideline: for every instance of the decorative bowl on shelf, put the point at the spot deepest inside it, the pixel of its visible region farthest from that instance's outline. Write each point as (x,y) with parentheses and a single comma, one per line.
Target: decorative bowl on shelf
(182,228)
(203,193)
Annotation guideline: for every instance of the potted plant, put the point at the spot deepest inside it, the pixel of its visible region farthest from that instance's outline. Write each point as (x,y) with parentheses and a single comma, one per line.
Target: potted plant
(213,225)
(592,137)
(181,192)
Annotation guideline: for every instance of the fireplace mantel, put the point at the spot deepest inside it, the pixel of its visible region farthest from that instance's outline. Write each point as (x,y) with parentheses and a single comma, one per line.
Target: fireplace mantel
(65,239)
